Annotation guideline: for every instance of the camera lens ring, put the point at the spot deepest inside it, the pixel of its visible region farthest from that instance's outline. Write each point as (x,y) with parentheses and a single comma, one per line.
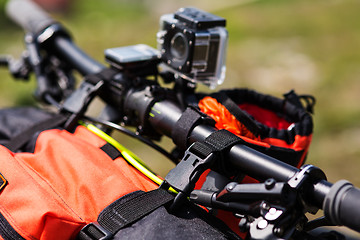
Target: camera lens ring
(179,47)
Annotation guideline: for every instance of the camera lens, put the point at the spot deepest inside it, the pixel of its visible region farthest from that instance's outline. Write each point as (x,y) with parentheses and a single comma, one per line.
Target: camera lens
(179,46)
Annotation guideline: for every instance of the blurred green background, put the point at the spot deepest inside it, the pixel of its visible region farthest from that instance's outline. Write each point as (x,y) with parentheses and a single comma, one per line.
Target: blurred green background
(312,46)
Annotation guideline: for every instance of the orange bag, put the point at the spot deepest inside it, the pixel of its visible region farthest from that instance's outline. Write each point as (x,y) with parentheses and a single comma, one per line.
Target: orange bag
(64,185)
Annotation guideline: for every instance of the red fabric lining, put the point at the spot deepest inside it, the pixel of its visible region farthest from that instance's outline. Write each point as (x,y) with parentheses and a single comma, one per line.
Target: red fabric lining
(223,118)
(265,116)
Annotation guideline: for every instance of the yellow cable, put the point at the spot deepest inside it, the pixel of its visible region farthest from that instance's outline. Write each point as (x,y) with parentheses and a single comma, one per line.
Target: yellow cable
(115,143)
(129,156)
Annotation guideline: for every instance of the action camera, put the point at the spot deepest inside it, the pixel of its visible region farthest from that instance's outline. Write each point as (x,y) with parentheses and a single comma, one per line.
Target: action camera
(193,44)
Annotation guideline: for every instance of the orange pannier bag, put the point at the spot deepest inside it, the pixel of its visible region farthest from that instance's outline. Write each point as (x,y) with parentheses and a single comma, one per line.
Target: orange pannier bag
(56,184)
(63,185)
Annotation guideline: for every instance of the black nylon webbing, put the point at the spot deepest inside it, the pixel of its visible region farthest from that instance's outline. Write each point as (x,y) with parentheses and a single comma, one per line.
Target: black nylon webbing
(222,140)
(123,212)
(92,233)
(183,126)
(21,139)
(201,149)
(130,208)
(219,142)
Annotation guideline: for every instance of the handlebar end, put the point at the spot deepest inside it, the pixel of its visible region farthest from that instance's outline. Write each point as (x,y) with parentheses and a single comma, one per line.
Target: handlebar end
(341,205)
(28,15)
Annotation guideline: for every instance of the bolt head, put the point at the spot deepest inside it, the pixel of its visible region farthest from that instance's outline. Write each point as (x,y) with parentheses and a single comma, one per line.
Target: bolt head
(262,224)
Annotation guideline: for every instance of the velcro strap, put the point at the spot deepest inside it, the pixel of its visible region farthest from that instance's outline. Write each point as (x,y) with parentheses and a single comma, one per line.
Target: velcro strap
(186,123)
(222,140)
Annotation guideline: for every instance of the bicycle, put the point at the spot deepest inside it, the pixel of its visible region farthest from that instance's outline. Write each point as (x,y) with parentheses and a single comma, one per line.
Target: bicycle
(155,111)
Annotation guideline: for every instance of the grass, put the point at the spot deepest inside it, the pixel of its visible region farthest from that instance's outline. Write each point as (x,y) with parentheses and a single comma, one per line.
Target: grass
(313,47)
(310,46)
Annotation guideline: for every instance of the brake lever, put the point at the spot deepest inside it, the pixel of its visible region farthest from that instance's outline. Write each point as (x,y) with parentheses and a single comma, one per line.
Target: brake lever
(244,198)
(270,190)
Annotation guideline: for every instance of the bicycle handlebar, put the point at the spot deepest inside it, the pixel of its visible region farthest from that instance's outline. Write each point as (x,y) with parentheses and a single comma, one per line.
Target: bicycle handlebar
(77,59)
(28,15)
(339,201)
(33,19)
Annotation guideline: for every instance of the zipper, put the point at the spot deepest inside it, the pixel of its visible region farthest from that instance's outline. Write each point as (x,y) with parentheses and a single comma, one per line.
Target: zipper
(7,232)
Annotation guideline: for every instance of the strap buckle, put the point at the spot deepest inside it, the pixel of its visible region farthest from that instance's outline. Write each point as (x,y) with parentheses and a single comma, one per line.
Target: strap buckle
(197,158)
(187,172)
(94,231)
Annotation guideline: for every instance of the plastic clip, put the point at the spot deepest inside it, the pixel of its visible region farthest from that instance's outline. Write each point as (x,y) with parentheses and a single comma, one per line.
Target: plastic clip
(197,158)
(94,231)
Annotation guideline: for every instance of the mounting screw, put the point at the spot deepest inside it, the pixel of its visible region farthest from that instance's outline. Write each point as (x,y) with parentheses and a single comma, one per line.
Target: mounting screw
(265,206)
(125,120)
(262,224)
(139,130)
(230,186)
(270,183)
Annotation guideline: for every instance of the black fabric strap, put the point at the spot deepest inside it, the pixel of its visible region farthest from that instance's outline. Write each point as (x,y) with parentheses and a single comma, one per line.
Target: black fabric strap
(221,140)
(188,120)
(21,139)
(112,151)
(125,211)
(239,114)
(201,149)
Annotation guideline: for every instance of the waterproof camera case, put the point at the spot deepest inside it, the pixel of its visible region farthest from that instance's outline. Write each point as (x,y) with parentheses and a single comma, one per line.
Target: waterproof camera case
(193,44)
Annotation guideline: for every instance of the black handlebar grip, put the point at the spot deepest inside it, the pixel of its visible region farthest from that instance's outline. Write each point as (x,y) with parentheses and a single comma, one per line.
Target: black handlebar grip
(28,15)
(342,205)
